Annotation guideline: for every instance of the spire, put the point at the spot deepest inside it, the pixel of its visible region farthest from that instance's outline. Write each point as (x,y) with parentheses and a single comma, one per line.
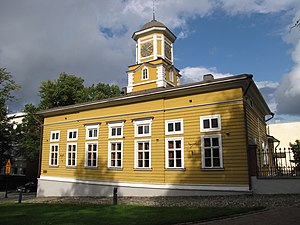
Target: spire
(153,9)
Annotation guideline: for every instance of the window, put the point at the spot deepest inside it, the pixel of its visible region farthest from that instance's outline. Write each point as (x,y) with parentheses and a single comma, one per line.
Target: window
(53,157)
(174,126)
(142,154)
(54,135)
(115,154)
(72,135)
(142,128)
(145,75)
(211,146)
(91,154)
(92,131)
(210,123)
(174,153)
(115,130)
(171,74)
(71,154)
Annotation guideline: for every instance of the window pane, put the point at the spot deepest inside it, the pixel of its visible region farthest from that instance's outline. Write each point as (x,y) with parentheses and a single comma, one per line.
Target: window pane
(214,123)
(119,155)
(178,126)
(140,146)
(208,162)
(90,133)
(170,127)
(140,129)
(206,142)
(70,135)
(113,131)
(207,152)
(140,155)
(147,130)
(95,133)
(140,163)
(171,163)
(178,144)
(119,129)
(206,123)
(171,154)
(119,146)
(178,154)
(216,162)
(146,155)
(170,144)
(215,141)
(178,163)
(74,134)
(147,163)
(216,152)
(146,146)
(113,146)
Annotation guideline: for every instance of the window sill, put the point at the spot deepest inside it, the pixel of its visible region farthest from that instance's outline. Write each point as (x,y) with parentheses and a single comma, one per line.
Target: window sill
(52,166)
(142,169)
(175,169)
(115,168)
(213,169)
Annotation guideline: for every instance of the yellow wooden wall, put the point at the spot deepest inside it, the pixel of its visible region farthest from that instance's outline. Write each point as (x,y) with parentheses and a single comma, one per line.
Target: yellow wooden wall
(228,103)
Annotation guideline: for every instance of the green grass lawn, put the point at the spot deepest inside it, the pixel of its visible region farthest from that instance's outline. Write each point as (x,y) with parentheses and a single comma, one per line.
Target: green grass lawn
(33,214)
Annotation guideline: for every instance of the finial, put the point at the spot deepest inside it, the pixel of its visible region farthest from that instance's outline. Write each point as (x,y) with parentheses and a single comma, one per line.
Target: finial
(153,9)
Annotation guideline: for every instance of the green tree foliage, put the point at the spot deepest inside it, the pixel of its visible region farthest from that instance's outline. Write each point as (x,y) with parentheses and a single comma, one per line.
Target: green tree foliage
(29,133)
(7,85)
(69,90)
(296,151)
(66,90)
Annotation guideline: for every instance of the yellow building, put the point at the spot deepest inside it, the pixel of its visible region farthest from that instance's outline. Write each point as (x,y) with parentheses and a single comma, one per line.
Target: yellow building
(159,138)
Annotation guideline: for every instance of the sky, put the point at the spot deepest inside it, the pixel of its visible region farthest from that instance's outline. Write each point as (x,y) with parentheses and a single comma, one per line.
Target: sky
(39,39)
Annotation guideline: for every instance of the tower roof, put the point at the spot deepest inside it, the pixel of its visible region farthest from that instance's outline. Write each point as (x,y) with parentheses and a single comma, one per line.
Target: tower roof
(153,23)
(151,26)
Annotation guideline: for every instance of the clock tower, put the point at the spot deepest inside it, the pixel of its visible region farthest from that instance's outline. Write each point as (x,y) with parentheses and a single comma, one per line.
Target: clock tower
(154,59)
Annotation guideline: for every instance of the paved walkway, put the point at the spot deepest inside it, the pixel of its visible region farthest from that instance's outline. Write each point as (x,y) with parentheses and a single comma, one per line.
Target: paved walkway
(278,216)
(14,196)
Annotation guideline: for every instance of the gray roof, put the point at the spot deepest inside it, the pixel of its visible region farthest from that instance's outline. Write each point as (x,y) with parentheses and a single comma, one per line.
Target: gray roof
(153,23)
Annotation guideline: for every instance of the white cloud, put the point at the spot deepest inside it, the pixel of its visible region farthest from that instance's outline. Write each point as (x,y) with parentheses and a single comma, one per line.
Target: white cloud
(194,74)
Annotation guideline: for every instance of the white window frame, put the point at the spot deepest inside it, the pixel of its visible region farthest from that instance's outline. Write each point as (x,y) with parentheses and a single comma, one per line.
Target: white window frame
(142,123)
(145,76)
(167,153)
(210,117)
(72,138)
(167,122)
(219,136)
(72,158)
(92,155)
(56,154)
(110,166)
(171,74)
(54,132)
(143,151)
(91,127)
(116,125)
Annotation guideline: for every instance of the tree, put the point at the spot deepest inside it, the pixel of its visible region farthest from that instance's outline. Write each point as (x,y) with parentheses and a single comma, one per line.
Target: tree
(296,151)
(7,85)
(99,91)
(29,133)
(66,90)
(69,89)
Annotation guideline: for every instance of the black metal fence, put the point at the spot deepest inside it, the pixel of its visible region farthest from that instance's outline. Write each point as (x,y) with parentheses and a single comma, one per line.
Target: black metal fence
(277,163)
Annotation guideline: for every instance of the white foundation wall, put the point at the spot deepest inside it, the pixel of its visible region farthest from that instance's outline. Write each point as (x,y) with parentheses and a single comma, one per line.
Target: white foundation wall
(52,187)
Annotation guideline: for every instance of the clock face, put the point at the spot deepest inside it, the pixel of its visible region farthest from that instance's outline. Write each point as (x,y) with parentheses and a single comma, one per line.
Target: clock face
(146,49)
(168,51)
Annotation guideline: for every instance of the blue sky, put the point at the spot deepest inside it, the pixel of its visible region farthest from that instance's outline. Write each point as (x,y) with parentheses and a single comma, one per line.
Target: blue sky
(39,39)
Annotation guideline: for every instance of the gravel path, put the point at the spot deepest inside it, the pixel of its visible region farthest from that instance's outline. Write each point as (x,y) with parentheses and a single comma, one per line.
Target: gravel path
(269,201)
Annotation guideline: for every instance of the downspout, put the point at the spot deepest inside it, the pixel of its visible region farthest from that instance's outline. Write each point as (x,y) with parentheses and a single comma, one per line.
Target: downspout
(246,135)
